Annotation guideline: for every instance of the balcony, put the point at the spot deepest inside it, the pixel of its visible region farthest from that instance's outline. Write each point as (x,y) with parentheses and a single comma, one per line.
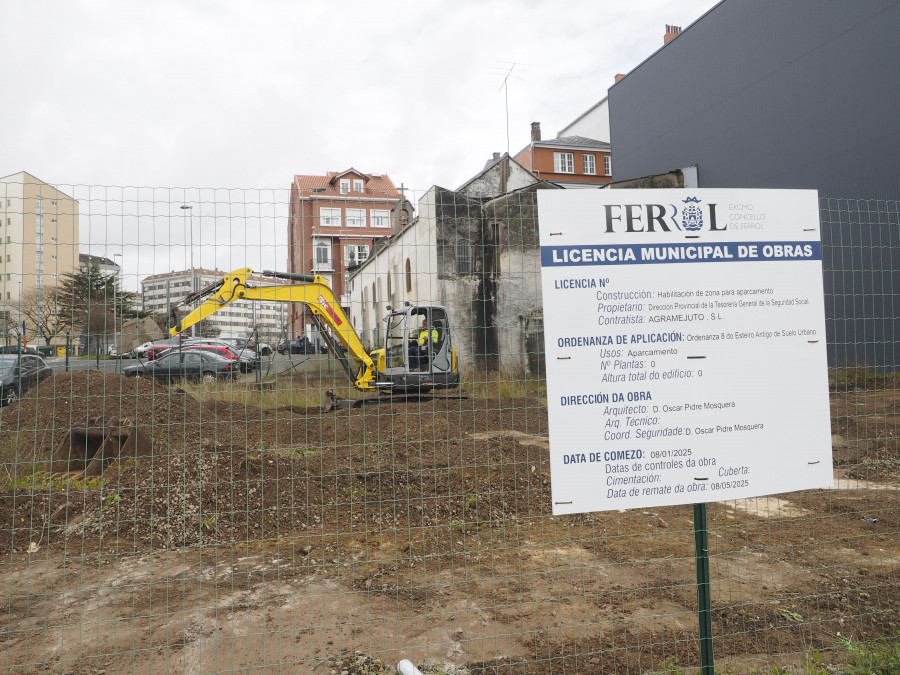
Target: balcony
(322,264)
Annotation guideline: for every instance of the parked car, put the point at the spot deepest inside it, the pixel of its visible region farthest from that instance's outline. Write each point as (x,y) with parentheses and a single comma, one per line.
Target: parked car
(302,345)
(20,373)
(140,352)
(16,349)
(196,364)
(245,365)
(159,347)
(247,357)
(245,350)
(261,349)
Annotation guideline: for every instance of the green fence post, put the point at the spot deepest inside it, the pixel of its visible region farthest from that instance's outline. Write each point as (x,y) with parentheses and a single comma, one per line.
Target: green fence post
(704,602)
(255,337)
(68,349)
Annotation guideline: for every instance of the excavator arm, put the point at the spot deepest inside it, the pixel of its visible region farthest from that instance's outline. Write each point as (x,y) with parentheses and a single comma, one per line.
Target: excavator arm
(313,292)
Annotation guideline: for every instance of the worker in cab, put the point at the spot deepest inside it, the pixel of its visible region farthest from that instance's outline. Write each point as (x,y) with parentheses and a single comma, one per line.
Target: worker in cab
(426,334)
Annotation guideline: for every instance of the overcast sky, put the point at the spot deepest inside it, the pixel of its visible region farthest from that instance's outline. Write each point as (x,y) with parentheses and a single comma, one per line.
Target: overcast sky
(240,94)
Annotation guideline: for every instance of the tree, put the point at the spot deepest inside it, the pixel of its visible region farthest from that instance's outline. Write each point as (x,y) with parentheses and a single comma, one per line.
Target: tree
(39,310)
(11,322)
(91,302)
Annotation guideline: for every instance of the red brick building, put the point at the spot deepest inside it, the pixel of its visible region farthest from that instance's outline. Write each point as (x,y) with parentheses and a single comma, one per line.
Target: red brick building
(570,160)
(335,220)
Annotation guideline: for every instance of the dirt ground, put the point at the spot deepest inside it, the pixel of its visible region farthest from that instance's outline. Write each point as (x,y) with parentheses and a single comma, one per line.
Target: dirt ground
(277,538)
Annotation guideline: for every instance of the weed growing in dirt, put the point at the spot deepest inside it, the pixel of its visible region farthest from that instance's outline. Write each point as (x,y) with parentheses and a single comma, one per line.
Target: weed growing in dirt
(37,480)
(880,657)
(670,667)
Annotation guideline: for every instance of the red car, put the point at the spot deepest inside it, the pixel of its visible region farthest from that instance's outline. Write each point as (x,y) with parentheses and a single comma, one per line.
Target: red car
(156,350)
(215,349)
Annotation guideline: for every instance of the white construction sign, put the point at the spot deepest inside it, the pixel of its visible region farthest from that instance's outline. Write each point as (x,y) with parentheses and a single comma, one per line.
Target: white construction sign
(685,346)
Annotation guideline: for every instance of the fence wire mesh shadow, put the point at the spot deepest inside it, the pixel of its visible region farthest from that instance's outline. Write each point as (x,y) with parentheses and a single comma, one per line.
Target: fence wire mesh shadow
(170,523)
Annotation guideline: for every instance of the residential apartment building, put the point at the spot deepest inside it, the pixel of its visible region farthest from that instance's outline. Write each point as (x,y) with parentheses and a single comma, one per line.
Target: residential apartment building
(570,161)
(335,220)
(106,266)
(161,291)
(38,235)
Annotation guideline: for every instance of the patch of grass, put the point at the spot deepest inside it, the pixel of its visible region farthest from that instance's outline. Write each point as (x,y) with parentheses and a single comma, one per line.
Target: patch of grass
(496,384)
(878,657)
(39,481)
(670,667)
(860,377)
(287,390)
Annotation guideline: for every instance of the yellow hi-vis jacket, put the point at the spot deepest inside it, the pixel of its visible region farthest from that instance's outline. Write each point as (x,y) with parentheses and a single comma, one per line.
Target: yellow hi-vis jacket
(423,336)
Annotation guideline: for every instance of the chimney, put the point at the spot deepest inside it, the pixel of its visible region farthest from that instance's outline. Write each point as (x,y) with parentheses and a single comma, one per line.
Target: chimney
(671,33)
(496,156)
(620,77)
(535,131)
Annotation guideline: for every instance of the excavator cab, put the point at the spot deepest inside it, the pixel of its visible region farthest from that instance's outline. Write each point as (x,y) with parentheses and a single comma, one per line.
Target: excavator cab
(418,352)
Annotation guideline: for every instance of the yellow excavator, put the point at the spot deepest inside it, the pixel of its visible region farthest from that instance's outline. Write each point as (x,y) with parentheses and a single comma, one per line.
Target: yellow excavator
(405,363)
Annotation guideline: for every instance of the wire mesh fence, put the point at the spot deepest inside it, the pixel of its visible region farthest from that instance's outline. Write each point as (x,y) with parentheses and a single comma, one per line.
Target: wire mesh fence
(158,520)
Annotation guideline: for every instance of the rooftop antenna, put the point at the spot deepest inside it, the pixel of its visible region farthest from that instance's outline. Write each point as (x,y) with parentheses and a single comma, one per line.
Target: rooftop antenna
(505,89)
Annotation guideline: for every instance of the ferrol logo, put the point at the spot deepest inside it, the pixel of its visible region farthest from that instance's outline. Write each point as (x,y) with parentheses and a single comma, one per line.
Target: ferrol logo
(691,216)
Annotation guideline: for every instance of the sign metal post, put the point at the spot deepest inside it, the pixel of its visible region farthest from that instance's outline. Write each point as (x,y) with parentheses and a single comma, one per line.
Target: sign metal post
(704,600)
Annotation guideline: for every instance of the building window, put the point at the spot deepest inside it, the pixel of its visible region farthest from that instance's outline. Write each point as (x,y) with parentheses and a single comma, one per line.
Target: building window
(354,254)
(408,277)
(464,258)
(380,218)
(607,165)
(590,165)
(357,186)
(39,205)
(356,217)
(345,186)
(323,256)
(330,217)
(563,162)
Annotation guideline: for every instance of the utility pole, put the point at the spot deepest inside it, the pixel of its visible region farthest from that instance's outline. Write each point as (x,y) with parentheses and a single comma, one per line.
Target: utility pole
(190,210)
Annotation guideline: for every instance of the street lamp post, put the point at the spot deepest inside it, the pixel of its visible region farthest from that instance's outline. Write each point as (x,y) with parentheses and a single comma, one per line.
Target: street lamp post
(116,297)
(190,210)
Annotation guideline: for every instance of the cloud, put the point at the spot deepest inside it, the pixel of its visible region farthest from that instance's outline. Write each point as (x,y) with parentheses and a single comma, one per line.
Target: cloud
(231,94)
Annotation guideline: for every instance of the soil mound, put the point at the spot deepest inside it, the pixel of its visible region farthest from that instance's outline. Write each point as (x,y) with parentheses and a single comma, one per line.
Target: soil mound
(46,413)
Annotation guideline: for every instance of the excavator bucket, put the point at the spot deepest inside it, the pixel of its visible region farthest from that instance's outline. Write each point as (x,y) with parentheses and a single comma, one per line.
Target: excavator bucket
(89,451)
